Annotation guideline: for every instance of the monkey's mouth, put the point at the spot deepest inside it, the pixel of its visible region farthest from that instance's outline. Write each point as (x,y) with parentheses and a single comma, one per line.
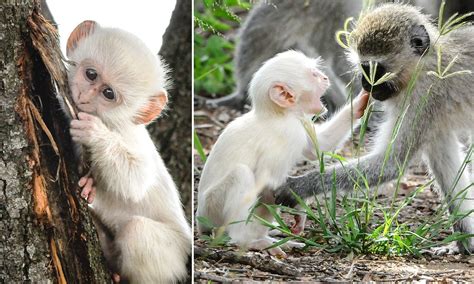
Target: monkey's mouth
(380,92)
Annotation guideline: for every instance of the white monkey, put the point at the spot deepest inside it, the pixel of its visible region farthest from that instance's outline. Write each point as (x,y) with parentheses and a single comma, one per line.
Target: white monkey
(256,151)
(118,85)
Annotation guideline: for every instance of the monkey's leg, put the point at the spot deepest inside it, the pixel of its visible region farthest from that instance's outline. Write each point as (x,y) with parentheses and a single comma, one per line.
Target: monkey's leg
(152,252)
(231,200)
(218,202)
(445,160)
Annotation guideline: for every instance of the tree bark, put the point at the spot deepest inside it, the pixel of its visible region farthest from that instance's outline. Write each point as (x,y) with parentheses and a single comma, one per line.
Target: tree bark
(47,233)
(172,132)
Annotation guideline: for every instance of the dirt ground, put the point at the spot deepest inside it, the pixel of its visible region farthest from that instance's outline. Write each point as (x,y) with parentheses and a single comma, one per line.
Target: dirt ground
(229,264)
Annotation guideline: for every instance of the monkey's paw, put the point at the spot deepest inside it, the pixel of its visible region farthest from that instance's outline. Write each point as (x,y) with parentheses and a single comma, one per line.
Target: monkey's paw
(87,129)
(266,242)
(284,197)
(115,278)
(88,188)
(298,227)
(452,248)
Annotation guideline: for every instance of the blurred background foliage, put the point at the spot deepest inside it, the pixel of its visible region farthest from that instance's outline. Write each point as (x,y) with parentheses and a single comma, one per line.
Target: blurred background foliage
(216,22)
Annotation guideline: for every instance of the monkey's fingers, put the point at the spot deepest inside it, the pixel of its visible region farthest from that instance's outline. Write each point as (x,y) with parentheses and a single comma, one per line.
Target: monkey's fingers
(298,227)
(91,196)
(80,124)
(86,116)
(278,252)
(82,181)
(115,278)
(87,189)
(362,102)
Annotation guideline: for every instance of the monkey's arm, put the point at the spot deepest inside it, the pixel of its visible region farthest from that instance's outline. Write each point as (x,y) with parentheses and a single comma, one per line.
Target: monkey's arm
(116,165)
(334,132)
(375,167)
(346,175)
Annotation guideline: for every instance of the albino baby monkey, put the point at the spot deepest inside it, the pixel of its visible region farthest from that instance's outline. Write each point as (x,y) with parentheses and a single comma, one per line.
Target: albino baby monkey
(255,153)
(118,85)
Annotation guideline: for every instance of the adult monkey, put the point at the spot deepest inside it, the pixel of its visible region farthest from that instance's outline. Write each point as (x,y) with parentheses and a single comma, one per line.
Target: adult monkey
(275,26)
(397,37)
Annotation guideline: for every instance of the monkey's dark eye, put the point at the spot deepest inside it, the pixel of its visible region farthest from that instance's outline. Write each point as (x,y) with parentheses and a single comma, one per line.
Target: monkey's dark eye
(91,74)
(108,93)
(417,42)
(420,40)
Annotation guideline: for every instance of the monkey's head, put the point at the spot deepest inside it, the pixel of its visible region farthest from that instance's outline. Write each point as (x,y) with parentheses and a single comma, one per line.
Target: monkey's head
(115,76)
(290,81)
(393,37)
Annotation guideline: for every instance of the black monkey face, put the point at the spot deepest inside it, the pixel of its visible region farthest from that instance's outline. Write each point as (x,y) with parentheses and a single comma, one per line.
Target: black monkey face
(381,91)
(395,37)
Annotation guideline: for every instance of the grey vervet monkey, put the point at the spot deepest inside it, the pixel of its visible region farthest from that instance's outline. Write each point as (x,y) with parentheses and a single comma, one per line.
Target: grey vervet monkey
(309,26)
(397,37)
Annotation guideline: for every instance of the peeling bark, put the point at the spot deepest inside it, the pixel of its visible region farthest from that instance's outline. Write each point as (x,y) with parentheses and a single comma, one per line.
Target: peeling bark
(47,233)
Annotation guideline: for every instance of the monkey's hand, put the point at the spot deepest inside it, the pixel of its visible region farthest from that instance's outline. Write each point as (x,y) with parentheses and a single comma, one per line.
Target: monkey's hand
(87,129)
(298,227)
(88,189)
(284,196)
(360,104)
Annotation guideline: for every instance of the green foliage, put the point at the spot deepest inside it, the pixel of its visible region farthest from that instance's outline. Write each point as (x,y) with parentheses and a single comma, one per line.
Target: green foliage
(217,237)
(198,147)
(213,66)
(358,223)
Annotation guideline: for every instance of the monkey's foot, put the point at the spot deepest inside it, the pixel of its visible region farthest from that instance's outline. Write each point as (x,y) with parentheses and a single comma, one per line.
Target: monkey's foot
(298,227)
(88,188)
(115,277)
(275,233)
(266,242)
(292,245)
(450,249)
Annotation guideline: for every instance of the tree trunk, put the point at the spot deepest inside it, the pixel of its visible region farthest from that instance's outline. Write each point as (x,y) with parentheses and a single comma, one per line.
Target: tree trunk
(47,233)
(172,132)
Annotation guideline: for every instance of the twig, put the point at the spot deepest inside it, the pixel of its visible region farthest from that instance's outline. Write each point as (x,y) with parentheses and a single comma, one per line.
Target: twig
(212,277)
(256,261)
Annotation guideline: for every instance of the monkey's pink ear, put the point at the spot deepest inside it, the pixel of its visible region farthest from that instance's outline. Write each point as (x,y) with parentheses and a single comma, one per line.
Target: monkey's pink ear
(81,31)
(282,95)
(152,109)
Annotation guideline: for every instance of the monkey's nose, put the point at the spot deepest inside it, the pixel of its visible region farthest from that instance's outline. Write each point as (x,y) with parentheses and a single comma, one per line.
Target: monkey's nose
(85,97)
(379,71)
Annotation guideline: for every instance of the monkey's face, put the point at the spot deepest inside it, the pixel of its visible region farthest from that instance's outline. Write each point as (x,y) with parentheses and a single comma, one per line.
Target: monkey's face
(90,90)
(391,39)
(317,85)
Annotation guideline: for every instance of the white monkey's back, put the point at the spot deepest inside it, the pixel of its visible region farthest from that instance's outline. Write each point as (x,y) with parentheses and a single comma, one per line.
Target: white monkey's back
(158,197)
(247,140)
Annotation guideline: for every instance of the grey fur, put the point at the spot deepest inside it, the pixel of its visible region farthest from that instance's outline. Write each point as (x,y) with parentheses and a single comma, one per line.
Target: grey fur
(431,130)
(309,26)
(276,26)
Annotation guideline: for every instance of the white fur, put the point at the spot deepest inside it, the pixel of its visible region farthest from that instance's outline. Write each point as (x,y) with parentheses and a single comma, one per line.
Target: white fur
(255,153)
(136,198)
